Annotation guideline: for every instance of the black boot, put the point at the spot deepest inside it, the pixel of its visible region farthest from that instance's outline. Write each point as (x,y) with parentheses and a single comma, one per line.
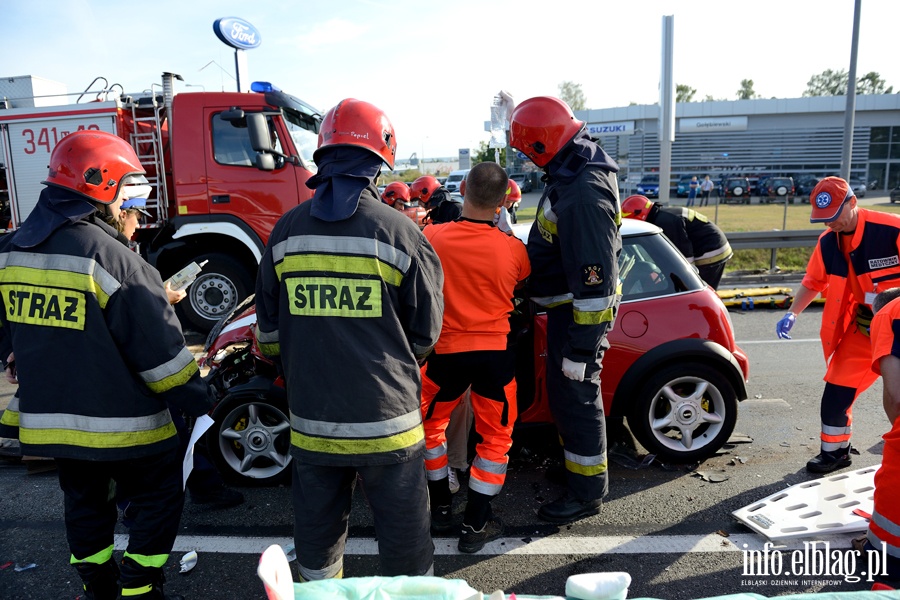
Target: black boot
(479,524)
(826,462)
(143,583)
(441,505)
(568,508)
(101,582)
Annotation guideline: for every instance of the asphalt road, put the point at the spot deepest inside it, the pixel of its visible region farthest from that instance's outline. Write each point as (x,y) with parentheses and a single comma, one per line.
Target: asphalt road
(669,526)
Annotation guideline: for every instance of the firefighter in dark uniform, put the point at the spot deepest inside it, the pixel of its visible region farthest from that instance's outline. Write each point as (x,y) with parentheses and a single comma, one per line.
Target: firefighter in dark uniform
(573,246)
(701,242)
(348,296)
(442,208)
(68,283)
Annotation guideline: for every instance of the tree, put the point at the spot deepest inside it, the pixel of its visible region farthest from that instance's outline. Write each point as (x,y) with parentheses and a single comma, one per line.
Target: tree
(872,83)
(684,93)
(570,93)
(746,91)
(827,83)
(486,154)
(834,83)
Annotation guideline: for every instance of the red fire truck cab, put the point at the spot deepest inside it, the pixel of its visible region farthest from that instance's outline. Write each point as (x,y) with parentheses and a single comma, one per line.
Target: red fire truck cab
(224,167)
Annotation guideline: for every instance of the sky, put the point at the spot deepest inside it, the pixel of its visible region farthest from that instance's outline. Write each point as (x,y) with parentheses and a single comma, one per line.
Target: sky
(435,66)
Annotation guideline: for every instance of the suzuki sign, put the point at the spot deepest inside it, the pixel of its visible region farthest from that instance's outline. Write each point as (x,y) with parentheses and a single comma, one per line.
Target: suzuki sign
(619,128)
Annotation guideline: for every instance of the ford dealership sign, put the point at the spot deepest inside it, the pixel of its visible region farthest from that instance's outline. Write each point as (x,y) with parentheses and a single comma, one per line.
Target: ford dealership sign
(237,33)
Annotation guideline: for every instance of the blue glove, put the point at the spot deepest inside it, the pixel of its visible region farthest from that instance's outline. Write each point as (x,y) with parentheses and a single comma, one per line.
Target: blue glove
(784,326)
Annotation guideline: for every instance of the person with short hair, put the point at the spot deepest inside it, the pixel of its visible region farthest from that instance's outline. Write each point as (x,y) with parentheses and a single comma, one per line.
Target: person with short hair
(855,256)
(693,188)
(706,188)
(482,267)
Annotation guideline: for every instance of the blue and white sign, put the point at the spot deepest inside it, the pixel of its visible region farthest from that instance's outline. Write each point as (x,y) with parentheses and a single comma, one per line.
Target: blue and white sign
(618,128)
(237,33)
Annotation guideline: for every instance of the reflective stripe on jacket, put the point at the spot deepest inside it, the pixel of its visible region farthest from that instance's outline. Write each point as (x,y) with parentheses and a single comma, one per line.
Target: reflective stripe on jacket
(875,257)
(574,247)
(348,306)
(98,348)
(700,241)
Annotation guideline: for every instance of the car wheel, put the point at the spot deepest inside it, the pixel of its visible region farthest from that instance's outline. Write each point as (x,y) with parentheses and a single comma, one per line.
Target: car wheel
(684,413)
(250,442)
(221,285)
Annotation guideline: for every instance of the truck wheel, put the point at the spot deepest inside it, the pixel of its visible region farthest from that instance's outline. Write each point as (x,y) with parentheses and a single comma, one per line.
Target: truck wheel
(684,413)
(221,285)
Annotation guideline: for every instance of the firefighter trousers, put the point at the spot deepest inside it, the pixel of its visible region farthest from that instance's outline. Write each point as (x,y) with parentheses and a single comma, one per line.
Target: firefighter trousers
(153,484)
(849,374)
(491,373)
(398,496)
(577,409)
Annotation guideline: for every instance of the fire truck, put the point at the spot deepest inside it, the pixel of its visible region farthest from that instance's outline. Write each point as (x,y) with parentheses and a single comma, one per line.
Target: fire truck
(224,166)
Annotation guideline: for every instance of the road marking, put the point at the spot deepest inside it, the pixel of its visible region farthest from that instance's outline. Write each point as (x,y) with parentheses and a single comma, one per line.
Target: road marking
(552,545)
(802,341)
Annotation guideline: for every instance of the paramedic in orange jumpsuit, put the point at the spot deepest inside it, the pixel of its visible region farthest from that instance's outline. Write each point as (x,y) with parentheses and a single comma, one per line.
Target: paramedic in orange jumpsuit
(482,266)
(884,528)
(858,254)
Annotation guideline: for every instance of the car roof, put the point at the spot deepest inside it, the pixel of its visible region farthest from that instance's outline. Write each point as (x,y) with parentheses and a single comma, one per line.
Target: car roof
(630,227)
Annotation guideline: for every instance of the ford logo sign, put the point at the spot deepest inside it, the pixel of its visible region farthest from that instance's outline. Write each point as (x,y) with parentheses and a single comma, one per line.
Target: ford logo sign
(237,33)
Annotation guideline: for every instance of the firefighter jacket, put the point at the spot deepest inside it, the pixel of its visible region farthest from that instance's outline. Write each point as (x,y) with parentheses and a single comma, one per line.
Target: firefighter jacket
(349,306)
(98,349)
(875,261)
(574,246)
(442,208)
(700,241)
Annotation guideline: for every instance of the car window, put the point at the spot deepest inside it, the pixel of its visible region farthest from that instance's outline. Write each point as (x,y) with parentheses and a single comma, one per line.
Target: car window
(651,266)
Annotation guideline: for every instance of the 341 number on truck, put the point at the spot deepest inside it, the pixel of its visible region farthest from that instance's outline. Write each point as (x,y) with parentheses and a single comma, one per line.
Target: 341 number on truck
(224,167)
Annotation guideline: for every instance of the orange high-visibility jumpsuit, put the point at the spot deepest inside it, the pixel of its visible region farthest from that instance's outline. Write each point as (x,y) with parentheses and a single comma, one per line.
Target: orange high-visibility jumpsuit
(884,528)
(482,266)
(849,270)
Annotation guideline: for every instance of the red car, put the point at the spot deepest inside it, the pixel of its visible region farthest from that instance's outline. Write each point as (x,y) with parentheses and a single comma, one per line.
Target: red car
(673,369)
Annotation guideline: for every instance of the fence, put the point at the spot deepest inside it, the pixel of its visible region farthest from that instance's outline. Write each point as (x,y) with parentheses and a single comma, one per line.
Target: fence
(746,240)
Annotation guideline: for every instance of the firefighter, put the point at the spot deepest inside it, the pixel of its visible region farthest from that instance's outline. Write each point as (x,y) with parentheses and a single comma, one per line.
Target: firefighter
(854,256)
(883,535)
(396,191)
(436,198)
(573,246)
(482,267)
(69,283)
(348,297)
(513,199)
(701,242)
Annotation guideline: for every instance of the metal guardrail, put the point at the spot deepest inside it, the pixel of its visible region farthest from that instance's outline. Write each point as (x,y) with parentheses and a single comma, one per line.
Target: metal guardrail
(800,238)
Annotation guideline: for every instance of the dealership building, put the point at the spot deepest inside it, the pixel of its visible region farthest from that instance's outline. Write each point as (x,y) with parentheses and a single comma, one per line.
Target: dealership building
(790,136)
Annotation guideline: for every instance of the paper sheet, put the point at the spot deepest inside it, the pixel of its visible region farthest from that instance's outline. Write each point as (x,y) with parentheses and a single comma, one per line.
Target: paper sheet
(203,423)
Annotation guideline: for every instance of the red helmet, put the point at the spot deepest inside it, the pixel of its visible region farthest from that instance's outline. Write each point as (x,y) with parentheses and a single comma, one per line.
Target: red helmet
(540,127)
(636,207)
(513,193)
(95,164)
(395,191)
(422,189)
(356,123)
